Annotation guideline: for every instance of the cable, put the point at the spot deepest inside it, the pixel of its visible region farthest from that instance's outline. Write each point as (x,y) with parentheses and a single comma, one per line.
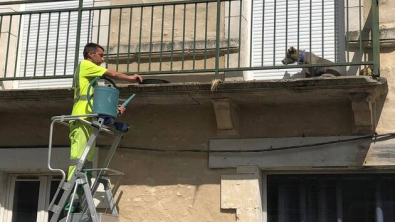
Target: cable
(373,137)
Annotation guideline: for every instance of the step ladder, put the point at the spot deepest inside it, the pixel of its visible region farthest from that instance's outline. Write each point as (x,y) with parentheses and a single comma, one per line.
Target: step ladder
(67,189)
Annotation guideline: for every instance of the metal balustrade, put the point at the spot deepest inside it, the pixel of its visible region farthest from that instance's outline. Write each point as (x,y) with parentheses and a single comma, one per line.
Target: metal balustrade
(184,37)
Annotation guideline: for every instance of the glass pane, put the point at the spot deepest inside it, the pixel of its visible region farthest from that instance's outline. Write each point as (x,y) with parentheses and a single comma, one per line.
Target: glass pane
(25,204)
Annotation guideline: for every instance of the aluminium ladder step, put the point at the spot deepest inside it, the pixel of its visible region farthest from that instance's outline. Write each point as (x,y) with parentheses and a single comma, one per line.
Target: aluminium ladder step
(80,217)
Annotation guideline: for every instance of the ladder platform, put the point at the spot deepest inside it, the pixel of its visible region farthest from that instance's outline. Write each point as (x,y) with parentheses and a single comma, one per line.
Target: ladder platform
(77,217)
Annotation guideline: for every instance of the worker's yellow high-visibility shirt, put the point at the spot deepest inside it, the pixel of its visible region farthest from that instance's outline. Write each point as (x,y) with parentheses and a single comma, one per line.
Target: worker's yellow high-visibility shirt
(85,72)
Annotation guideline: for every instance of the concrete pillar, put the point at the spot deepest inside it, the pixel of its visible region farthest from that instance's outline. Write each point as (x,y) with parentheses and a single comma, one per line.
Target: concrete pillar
(245,36)
(8,42)
(233,21)
(355,21)
(3,194)
(243,192)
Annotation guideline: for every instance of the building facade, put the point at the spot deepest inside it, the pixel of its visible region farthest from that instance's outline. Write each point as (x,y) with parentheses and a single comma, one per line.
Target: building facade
(265,144)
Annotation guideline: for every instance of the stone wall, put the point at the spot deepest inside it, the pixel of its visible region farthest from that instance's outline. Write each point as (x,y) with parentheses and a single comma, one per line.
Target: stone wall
(387,65)
(182,49)
(179,186)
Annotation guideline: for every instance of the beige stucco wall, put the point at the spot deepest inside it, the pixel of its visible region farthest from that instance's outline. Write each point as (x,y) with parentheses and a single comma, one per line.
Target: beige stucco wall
(173,186)
(387,56)
(157,22)
(170,186)
(189,126)
(387,52)
(387,118)
(387,8)
(119,42)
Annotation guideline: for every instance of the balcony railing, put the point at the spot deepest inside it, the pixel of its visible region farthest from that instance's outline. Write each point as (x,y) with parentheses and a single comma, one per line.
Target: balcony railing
(44,39)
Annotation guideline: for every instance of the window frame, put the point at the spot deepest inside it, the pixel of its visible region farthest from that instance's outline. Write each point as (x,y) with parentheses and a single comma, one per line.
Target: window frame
(43,199)
(268,173)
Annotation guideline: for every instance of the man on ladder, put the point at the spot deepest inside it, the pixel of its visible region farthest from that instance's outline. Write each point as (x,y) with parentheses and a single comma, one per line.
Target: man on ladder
(86,71)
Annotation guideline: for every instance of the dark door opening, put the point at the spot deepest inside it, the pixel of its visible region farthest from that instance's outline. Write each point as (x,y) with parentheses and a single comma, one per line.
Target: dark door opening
(339,198)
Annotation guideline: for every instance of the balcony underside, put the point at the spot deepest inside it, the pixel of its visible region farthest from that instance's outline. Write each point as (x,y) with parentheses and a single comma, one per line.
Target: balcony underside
(366,96)
(322,90)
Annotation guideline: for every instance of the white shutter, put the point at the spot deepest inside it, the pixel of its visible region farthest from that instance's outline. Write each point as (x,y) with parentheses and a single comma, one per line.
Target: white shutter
(64,65)
(274,33)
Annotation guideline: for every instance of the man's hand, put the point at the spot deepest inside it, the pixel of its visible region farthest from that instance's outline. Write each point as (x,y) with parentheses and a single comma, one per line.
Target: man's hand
(123,77)
(137,78)
(121,110)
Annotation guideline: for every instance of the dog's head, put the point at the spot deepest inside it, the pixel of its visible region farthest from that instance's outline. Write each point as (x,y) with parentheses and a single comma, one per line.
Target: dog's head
(291,56)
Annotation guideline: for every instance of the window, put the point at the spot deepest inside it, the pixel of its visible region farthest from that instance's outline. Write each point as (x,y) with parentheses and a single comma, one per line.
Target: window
(48,42)
(311,25)
(348,198)
(29,197)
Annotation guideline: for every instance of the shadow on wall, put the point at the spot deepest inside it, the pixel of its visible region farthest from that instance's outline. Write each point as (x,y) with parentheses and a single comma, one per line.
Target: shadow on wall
(157,183)
(164,168)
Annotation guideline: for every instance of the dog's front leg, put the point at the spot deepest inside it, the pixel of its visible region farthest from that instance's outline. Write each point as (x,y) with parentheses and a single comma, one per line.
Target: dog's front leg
(305,72)
(312,72)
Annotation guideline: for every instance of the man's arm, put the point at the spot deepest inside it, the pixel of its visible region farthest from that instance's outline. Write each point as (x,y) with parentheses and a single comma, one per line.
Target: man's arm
(123,77)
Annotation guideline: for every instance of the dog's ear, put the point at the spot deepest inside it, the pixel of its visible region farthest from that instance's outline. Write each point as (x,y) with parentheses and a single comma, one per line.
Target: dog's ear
(291,50)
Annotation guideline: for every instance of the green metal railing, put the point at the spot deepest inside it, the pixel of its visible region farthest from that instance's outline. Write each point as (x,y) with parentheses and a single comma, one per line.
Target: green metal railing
(184,37)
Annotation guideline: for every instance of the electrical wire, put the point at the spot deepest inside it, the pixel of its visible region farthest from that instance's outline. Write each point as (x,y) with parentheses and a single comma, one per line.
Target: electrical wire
(374,137)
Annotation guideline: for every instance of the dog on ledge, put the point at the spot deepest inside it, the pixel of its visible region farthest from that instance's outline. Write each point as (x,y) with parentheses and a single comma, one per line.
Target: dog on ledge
(304,58)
